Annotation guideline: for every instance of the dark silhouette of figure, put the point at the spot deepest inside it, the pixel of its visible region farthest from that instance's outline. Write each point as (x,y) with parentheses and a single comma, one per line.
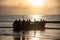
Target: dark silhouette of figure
(15,25)
(17,28)
(42,25)
(28,24)
(23,25)
(20,25)
(23,29)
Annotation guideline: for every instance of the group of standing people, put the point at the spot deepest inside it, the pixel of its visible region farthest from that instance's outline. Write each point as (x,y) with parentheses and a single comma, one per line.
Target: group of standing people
(19,25)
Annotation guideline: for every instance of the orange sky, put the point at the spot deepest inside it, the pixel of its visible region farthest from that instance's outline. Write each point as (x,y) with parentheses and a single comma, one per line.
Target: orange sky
(21,7)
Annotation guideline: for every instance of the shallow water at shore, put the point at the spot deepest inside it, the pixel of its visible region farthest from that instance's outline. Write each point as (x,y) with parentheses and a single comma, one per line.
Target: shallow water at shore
(48,34)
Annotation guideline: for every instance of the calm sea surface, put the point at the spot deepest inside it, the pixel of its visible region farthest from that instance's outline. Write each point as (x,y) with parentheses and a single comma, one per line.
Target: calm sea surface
(48,34)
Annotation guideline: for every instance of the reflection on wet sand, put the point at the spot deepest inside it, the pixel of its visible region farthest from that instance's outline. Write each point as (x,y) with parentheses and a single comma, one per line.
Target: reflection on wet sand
(48,34)
(6,37)
(29,35)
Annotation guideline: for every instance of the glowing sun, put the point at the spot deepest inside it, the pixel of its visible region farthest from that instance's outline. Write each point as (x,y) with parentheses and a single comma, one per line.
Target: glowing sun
(36,2)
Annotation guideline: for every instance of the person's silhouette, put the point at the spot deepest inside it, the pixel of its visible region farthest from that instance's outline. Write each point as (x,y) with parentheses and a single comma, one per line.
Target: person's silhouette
(19,25)
(23,25)
(28,24)
(15,26)
(23,29)
(42,24)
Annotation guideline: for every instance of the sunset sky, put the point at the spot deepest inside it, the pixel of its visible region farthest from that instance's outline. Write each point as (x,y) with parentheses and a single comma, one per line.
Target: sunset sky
(29,7)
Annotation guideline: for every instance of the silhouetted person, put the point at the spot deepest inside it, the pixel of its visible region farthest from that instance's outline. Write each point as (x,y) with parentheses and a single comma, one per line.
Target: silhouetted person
(42,24)
(15,25)
(28,24)
(23,29)
(23,25)
(16,28)
(20,25)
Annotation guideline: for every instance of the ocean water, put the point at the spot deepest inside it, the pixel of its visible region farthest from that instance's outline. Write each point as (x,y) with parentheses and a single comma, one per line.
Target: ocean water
(48,34)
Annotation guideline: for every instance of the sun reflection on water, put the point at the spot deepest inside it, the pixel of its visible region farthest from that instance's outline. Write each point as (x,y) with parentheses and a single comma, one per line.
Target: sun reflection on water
(35,38)
(37,35)
(35,17)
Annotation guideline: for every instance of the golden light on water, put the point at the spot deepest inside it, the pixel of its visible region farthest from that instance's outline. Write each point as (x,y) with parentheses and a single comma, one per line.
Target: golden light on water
(36,17)
(35,38)
(37,35)
(36,2)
